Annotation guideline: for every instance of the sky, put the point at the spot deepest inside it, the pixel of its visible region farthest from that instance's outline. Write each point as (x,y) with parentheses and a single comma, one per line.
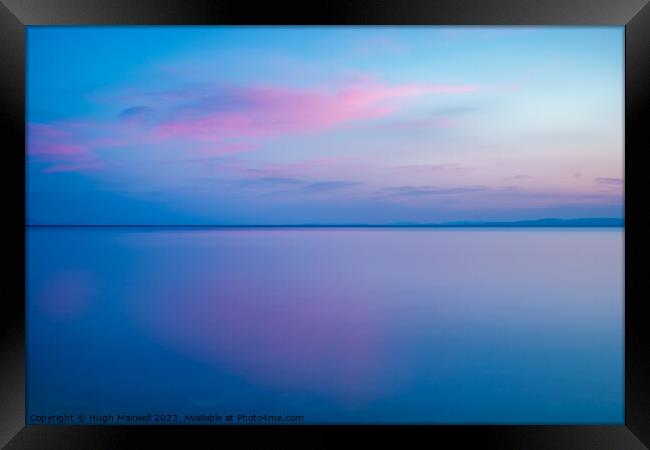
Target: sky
(323,125)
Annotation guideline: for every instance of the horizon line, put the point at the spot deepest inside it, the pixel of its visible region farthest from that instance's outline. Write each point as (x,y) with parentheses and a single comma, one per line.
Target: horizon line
(536,223)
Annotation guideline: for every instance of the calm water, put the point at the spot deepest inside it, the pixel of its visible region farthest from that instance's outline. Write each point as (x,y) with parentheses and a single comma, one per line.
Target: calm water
(336,325)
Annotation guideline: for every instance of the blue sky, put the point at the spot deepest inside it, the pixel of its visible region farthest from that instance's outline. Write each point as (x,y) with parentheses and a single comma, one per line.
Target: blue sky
(291,125)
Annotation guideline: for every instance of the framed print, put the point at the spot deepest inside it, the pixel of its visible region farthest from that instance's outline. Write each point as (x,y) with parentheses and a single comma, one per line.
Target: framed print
(283,222)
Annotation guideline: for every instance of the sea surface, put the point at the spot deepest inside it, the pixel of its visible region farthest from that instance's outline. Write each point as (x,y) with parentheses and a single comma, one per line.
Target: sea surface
(361,325)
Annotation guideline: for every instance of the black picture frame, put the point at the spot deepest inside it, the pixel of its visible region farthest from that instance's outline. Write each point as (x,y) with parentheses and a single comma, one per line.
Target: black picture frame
(15,15)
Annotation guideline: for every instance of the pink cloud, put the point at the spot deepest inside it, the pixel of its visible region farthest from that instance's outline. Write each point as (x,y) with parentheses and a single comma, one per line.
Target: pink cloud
(261,111)
(60,147)
(50,140)
(220,120)
(46,131)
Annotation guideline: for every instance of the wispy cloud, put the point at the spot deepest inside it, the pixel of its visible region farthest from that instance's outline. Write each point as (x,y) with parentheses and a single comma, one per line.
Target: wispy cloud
(416,191)
(214,113)
(519,177)
(271,185)
(273,181)
(418,124)
(323,186)
(221,119)
(59,149)
(430,168)
(609,181)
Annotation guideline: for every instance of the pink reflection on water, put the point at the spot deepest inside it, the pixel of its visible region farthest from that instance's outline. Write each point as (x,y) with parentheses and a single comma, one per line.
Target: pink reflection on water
(271,335)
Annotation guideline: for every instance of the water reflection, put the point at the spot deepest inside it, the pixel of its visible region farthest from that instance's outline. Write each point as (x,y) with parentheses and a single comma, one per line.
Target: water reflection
(339,325)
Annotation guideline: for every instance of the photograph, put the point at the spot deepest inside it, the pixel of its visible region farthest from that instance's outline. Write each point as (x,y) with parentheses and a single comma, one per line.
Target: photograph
(325,225)
(300,225)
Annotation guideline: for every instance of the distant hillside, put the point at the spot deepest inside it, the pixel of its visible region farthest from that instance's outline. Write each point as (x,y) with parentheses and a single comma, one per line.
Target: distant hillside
(548,222)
